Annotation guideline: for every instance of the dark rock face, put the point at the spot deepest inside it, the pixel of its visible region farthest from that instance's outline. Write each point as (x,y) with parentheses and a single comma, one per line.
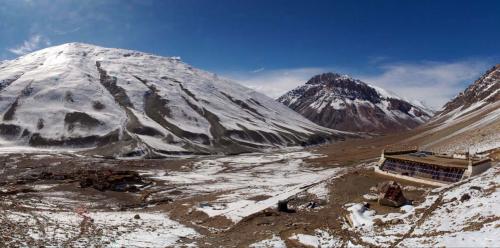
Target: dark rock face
(9,130)
(340,102)
(486,89)
(80,118)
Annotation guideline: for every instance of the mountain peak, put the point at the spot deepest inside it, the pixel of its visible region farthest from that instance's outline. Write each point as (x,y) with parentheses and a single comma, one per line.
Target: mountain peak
(87,46)
(79,44)
(328,77)
(71,46)
(341,102)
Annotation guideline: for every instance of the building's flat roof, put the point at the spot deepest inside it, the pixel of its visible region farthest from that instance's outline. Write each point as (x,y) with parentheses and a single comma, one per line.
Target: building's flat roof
(431,159)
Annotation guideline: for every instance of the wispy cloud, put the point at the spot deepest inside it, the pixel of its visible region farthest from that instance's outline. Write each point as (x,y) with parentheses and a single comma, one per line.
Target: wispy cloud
(258,70)
(433,83)
(67,31)
(33,43)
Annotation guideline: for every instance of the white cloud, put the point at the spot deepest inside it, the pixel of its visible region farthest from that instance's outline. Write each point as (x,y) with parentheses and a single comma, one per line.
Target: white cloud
(433,83)
(275,83)
(32,44)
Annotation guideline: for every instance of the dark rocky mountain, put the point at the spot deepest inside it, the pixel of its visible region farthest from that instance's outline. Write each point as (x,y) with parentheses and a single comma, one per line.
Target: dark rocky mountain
(343,103)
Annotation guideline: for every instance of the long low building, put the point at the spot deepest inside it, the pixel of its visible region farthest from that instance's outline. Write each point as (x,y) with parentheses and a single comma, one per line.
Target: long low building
(429,168)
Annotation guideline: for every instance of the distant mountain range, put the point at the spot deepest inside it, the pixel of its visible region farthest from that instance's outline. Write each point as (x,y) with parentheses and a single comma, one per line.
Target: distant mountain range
(341,102)
(128,103)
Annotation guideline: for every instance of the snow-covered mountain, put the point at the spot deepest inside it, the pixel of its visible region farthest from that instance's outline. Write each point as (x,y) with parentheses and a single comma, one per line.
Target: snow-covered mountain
(340,102)
(128,102)
(468,122)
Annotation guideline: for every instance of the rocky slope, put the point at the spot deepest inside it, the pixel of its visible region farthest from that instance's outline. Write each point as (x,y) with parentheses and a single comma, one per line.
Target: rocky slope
(470,121)
(132,103)
(482,92)
(343,103)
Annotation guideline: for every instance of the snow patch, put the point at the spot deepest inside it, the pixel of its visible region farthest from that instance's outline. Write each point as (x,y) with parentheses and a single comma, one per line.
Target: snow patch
(321,239)
(361,216)
(274,242)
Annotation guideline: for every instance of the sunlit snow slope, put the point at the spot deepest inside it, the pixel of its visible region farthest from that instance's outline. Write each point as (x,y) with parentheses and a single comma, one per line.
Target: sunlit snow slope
(128,102)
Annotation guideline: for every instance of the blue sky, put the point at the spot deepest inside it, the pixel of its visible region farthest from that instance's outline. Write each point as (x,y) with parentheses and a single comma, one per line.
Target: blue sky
(426,50)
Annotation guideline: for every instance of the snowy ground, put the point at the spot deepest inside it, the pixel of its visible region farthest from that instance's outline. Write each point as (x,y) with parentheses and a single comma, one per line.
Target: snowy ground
(238,185)
(464,214)
(80,228)
(237,180)
(232,189)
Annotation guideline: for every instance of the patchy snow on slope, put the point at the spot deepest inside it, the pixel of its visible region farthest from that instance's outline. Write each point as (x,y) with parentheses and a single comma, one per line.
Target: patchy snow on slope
(321,191)
(474,128)
(478,131)
(158,143)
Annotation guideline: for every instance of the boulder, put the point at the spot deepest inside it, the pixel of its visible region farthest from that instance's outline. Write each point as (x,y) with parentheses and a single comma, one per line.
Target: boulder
(391,194)
(283,206)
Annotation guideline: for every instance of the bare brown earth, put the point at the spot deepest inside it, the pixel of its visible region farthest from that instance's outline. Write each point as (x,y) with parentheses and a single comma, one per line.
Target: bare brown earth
(352,151)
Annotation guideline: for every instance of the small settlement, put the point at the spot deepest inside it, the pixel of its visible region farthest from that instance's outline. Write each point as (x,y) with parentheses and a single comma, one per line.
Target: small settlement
(428,167)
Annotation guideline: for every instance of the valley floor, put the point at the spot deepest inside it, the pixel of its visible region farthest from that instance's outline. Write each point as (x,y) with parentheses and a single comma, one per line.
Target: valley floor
(66,200)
